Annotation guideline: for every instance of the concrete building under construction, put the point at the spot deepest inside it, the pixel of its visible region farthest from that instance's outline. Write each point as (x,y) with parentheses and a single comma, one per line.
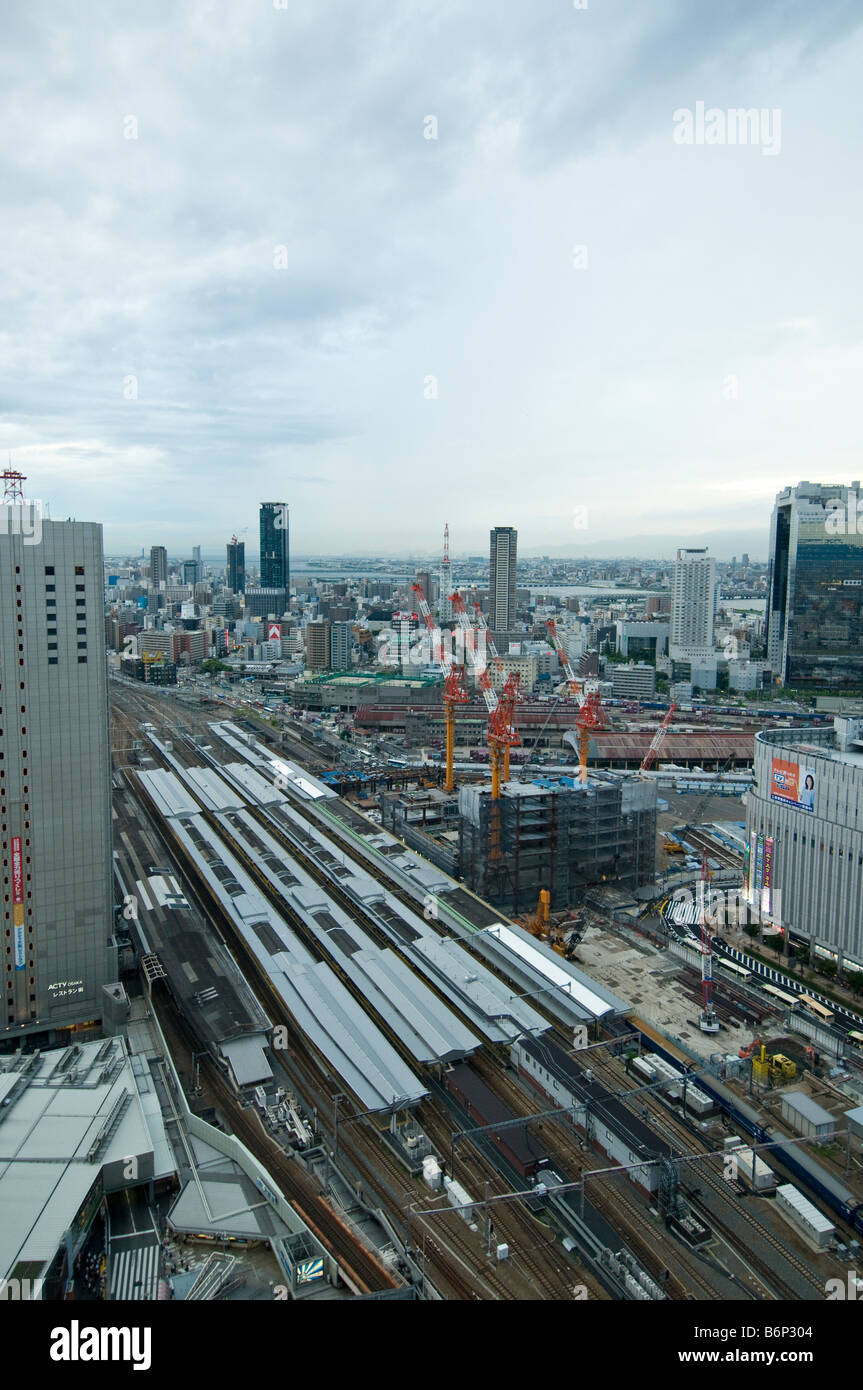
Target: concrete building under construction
(562,835)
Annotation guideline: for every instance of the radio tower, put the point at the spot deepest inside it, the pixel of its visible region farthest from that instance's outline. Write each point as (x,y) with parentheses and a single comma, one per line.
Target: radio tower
(13,490)
(707,1022)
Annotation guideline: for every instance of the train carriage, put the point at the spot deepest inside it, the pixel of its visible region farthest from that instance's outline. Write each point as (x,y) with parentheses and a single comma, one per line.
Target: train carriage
(518,1145)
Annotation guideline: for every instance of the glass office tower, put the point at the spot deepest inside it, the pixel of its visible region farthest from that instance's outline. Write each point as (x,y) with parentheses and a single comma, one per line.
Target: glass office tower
(815,587)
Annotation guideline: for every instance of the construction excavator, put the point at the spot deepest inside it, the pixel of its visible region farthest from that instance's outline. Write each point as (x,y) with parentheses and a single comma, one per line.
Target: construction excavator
(562,937)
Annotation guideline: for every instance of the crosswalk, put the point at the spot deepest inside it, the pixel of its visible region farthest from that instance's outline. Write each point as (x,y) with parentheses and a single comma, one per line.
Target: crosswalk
(135,1272)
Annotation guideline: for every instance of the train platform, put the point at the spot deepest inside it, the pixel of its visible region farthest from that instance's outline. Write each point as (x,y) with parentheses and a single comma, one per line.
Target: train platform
(209,989)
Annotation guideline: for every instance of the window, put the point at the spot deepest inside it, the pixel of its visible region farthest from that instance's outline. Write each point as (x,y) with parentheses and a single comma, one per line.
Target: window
(81,644)
(51,588)
(52,646)
(81,662)
(79,569)
(49,569)
(51,602)
(52,661)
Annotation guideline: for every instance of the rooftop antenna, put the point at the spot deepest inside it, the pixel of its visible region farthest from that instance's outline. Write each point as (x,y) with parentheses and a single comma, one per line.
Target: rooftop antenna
(13,490)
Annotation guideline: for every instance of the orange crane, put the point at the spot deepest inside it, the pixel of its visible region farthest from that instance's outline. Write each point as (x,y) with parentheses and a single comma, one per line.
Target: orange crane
(512,689)
(502,733)
(454,689)
(538,924)
(656,743)
(591,714)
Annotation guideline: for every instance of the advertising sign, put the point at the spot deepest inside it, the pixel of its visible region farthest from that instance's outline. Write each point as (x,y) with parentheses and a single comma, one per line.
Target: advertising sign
(792,785)
(767,881)
(759,867)
(18,902)
(275,632)
(751,879)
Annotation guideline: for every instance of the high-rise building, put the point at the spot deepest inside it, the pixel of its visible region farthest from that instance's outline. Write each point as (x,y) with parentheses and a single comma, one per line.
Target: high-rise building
(815,587)
(446,585)
(158,565)
(804,840)
(341,641)
(55,787)
(423,578)
(501,584)
(275,555)
(693,604)
(317,646)
(237,566)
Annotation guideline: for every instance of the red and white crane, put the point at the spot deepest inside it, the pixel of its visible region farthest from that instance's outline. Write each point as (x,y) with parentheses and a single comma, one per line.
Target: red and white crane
(591,714)
(502,733)
(454,689)
(652,751)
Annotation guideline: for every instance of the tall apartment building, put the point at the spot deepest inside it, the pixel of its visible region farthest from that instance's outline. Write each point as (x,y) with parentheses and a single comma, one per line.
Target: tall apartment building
(341,643)
(693,603)
(317,646)
(55,776)
(158,565)
(815,587)
(237,566)
(275,556)
(501,584)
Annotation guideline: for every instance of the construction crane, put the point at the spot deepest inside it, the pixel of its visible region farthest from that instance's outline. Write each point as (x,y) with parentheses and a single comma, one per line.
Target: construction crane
(707,1020)
(502,733)
(692,823)
(591,714)
(454,689)
(656,743)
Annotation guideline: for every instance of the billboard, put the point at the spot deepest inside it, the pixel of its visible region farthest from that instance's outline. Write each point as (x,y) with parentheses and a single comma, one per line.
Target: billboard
(792,785)
(753,841)
(275,632)
(18,902)
(767,880)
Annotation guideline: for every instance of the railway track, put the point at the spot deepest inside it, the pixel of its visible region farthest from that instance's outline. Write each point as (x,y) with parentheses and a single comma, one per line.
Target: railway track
(611,1199)
(368,1154)
(679,1135)
(521,1236)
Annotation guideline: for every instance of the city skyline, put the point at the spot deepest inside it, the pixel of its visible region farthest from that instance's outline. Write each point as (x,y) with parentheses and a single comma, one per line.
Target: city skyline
(227,305)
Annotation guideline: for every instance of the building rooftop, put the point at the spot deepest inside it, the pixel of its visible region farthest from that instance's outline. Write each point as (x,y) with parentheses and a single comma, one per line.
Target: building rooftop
(65,1117)
(809,1109)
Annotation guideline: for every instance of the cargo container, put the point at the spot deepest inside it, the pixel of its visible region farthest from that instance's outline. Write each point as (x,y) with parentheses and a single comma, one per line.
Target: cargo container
(644,1069)
(753,1171)
(806,1218)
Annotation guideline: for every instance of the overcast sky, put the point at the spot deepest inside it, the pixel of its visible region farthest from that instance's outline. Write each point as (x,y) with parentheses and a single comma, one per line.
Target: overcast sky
(435,348)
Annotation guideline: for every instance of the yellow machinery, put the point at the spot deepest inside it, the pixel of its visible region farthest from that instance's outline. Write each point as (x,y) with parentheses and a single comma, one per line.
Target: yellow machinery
(775,1068)
(538,924)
